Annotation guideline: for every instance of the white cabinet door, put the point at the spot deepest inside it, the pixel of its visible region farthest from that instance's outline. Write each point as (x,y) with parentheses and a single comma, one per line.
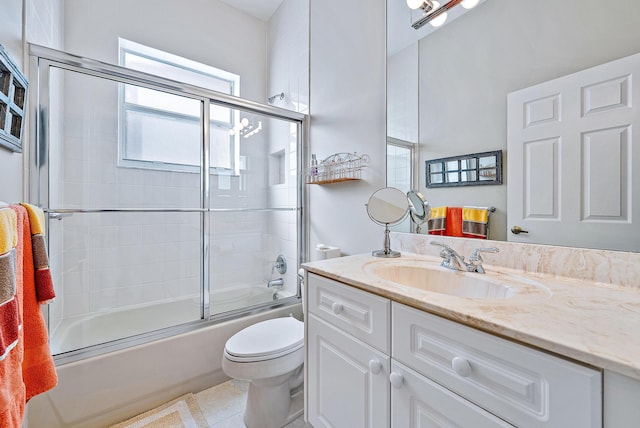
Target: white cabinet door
(571,166)
(348,384)
(417,402)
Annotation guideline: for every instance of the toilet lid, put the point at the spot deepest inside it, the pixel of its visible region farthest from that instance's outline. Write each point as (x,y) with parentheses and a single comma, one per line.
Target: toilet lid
(267,339)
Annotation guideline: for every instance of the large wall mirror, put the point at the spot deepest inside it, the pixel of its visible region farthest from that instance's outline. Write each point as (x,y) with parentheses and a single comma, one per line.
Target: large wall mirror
(447,89)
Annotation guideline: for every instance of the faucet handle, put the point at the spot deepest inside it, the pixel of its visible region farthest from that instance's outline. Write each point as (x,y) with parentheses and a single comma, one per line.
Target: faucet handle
(442,244)
(475,255)
(475,260)
(446,252)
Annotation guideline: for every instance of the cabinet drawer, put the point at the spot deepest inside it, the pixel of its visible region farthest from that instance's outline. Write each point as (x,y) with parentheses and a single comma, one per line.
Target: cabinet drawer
(361,314)
(522,386)
(420,402)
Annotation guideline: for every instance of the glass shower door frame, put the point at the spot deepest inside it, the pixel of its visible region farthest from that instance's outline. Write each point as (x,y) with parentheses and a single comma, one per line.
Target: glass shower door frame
(41,61)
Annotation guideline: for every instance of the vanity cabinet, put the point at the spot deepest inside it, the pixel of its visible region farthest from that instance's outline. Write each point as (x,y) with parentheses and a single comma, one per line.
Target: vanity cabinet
(348,362)
(376,363)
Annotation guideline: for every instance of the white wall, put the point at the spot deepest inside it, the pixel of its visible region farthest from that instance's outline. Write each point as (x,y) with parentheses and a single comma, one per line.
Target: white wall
(468,66)
(44,28)
(207,31)
(402,94)
(348,80)
(11,39)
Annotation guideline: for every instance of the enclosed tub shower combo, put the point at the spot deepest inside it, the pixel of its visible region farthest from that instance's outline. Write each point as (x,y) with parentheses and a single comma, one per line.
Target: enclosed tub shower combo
(169,206)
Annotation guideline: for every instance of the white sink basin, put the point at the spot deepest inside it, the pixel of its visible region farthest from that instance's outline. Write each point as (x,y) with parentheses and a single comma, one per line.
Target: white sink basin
(429,276)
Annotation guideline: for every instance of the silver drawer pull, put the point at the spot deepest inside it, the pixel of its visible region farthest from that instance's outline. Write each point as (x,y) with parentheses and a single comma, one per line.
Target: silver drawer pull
(461,366)
(337,308)
(396,379)
(375,366)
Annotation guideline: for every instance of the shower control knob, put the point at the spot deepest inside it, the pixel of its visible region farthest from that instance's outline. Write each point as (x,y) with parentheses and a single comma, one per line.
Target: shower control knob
(461,366)
(396,379)
(337,308)
(375,366)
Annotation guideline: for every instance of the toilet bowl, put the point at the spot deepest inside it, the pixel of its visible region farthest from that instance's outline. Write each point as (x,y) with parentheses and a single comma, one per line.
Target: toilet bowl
(268,354)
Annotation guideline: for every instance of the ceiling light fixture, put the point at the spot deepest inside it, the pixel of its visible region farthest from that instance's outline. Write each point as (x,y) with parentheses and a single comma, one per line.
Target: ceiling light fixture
(425,5)
(435,13)
(469,4)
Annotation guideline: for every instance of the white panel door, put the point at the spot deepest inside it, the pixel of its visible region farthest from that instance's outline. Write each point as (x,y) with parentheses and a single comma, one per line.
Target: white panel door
(348,380)
(571,167)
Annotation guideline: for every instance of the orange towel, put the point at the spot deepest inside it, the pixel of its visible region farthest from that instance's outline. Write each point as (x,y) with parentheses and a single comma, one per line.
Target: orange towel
(454,221)
(38,369)
(28,369)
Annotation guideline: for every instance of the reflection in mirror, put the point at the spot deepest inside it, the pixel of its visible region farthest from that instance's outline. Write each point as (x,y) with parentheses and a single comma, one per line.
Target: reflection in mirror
(387,206)
(419,209)
(462,74)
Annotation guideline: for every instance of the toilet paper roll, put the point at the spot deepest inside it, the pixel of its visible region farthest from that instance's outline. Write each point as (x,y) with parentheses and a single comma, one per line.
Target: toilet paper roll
(326,252)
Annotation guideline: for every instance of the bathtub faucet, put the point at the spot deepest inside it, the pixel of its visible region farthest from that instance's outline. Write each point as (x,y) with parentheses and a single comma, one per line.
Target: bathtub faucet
(275,283)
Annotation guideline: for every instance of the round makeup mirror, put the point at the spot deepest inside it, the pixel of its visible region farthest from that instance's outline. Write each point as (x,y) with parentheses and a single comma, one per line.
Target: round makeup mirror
(419,209)
(387,206)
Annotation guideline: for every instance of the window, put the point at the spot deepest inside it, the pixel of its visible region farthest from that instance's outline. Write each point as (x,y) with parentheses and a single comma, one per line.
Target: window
(400,156)
(155,124)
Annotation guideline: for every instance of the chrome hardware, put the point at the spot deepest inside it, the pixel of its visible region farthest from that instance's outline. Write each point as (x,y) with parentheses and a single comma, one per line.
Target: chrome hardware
(275,283)
(280,265)
(516,230)
(452,260)
(53,215)
(476,259)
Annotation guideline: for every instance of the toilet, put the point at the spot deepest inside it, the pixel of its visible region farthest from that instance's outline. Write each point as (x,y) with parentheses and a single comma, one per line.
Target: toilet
(268,354)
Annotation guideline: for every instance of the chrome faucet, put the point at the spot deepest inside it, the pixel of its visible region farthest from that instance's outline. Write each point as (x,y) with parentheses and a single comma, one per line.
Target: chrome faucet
(275,283)
(452,260)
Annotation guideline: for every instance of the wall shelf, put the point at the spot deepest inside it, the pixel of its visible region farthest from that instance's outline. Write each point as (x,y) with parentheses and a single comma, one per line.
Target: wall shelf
(337,168)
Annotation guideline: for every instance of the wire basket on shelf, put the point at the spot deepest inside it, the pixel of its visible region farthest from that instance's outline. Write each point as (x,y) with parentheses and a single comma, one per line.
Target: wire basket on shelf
(336,168)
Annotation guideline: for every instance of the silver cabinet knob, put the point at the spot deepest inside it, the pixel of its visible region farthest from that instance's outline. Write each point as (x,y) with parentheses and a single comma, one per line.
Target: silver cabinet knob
(461,366)
(396,379)
(375,366)
(337,308)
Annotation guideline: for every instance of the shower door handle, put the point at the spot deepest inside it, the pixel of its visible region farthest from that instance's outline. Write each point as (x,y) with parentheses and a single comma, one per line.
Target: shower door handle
(54,215)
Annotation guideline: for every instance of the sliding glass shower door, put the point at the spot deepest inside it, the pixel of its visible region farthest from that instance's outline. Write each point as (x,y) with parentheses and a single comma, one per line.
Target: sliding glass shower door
(168,205)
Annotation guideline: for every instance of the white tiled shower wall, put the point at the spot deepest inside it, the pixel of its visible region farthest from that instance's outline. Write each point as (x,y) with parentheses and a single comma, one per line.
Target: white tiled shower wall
(113,260)
(288,72)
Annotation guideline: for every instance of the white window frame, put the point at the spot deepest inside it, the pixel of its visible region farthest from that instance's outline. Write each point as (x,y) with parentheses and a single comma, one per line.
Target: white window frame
(129,47)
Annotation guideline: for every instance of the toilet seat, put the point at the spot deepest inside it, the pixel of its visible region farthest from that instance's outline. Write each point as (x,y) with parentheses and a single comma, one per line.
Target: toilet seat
(266,340)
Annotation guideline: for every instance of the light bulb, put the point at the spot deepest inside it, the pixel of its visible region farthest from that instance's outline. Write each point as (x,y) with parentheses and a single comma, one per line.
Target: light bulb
(469,4)
(244,121)
(440,19)
(414,4)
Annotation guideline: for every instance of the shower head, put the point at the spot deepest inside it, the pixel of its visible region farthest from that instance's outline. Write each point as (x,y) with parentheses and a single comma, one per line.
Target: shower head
(270,100)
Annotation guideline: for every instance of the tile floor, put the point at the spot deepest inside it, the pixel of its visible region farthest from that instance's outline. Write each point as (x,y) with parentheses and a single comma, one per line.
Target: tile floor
(223,406)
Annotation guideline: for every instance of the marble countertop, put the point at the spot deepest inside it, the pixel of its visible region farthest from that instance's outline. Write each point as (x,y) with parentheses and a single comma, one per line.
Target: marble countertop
(591,322)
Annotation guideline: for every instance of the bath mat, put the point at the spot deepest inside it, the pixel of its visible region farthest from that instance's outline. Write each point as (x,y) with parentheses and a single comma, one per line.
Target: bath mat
(183,412)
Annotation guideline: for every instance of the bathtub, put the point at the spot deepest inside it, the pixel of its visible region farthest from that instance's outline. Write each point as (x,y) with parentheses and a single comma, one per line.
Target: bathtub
(108,388)
(108,325)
